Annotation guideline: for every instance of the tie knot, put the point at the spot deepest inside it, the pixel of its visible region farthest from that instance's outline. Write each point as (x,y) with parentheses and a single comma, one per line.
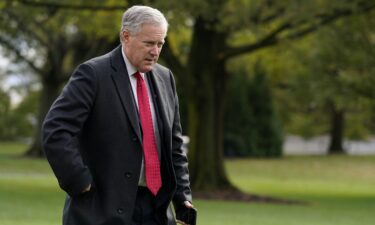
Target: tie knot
(138,75)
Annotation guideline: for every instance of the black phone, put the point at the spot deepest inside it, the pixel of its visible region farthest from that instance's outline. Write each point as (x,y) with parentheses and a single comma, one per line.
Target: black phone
(187,215)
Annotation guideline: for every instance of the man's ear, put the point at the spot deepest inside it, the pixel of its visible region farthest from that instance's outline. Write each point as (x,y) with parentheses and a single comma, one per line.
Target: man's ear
(125,35)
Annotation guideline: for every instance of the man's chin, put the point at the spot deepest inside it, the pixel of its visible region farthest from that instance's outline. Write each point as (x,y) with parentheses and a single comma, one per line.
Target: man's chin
(146,69)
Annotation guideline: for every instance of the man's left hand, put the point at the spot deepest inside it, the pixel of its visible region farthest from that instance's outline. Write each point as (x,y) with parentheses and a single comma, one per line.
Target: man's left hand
(188,204)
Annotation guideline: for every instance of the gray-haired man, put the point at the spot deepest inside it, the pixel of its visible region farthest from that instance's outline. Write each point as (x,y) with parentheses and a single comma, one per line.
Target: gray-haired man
(113,136)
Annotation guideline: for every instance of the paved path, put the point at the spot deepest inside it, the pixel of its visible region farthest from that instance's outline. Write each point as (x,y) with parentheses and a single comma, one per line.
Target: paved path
(296,145)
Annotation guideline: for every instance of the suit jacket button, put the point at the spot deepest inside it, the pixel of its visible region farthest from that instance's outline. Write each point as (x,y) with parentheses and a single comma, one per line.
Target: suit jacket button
(134,138)
(128,175)
(120,210)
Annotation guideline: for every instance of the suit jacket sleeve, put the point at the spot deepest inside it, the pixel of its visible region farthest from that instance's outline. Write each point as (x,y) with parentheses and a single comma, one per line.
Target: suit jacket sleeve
(180,162)
(61,127)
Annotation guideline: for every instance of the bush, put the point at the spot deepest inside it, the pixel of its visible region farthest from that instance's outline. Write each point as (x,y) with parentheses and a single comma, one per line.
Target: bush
(252,126)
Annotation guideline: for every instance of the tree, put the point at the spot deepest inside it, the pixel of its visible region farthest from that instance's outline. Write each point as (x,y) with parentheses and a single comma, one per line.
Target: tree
(341,73)
(217,26)
(218,29)
(51,42)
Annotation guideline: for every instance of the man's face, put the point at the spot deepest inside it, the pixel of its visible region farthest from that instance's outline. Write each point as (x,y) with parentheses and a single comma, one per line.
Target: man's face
(143,48)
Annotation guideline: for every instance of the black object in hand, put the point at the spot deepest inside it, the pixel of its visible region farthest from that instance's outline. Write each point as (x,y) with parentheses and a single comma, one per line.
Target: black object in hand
(186,215)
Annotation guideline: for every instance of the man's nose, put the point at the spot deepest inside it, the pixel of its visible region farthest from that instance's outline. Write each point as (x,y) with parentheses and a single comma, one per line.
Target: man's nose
(155,50)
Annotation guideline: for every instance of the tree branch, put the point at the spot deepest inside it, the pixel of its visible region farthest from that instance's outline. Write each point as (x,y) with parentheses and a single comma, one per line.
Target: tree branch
(24,28)
(71,6)
(7,44)
(258,18)
(268,40)
(296,31)
(326,19)
(278,12)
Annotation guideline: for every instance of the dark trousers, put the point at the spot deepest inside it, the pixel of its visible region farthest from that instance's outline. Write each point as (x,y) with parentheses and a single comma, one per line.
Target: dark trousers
(144,210)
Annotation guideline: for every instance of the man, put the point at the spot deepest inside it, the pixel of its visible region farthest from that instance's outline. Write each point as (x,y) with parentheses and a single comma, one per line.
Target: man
(113,136)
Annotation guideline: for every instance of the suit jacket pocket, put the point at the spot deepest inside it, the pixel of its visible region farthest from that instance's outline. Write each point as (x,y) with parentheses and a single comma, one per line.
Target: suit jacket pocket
(84,209)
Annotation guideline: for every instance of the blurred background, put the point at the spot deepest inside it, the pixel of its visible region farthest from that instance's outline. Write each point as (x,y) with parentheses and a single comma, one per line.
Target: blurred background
(276,99)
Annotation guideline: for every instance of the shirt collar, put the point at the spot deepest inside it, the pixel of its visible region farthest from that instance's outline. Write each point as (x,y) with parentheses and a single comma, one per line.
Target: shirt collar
(130,68)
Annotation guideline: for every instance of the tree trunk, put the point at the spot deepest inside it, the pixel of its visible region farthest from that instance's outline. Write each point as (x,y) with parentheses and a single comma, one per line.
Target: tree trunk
(50,91)
(82,48)
(205,110)
(337,132)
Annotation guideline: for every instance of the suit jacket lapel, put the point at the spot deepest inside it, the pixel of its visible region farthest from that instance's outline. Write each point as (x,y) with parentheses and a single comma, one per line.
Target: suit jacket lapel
(160,92)
(122,82)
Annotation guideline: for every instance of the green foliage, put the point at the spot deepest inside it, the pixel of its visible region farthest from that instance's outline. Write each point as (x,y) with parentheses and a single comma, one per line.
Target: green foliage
(52,39)
(239,119)
(334,65)
(5,113)
(252,124)
(26,115)
(57,38)
(268,131)
(339,74)
(18,122)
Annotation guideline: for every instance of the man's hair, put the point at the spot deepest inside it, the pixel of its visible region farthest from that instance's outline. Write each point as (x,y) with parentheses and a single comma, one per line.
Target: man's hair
(134,17)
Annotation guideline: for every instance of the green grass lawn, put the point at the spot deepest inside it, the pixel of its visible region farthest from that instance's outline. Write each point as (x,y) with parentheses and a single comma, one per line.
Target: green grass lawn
(339,190)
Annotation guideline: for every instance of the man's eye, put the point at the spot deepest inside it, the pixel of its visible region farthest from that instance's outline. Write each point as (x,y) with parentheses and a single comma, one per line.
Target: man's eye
(152,44)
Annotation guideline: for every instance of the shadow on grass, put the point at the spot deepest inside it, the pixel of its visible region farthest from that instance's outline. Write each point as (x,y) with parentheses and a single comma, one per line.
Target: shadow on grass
(240,196)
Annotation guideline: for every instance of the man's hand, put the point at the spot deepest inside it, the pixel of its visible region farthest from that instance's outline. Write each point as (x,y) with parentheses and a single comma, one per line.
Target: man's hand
(181,222)
(187,205)
(87,189)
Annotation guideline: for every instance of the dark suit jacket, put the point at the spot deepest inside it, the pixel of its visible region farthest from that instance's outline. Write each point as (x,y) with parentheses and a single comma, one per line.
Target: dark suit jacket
(92,135)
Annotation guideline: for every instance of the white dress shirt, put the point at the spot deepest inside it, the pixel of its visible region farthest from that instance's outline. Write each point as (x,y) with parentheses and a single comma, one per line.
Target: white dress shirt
(133,80)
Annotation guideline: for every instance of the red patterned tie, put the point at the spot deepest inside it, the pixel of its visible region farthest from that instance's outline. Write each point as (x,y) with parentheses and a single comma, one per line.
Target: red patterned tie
(151,159)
